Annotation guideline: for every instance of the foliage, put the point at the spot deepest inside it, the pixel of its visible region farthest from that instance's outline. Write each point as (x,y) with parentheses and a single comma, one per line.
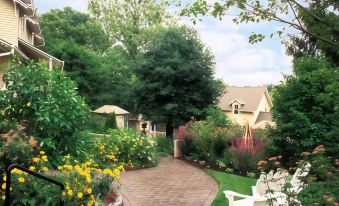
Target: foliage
(321,183)
(126,21)
(80,42)
(242,157)
(164,145)
(208,138)
(132,149)
(44,102)
(16,147)
(96,123)
(80,179)
(316,19)
(111,121)
(68,24)
(305,109)
(175,81)
(229,182)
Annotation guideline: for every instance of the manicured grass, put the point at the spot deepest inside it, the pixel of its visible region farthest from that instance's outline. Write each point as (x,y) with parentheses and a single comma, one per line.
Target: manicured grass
(232,182)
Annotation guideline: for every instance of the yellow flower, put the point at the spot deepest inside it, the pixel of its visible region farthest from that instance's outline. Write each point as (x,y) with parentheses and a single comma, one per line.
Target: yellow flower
(32,168)
(4,178)
(16,171)
(88,179)
(44,158)
(80,195)
(45,169)
(3,186)
(89,190)
(28,104)
(21,179)
(60,167)
(35,159)
(70,192)
(70,167)
(42,152)
(3,197)
(68,156)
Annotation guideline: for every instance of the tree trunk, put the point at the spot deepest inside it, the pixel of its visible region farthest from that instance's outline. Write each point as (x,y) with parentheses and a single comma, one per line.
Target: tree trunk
(169,129)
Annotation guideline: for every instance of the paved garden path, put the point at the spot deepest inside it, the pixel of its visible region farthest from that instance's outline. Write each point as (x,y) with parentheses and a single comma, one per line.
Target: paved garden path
(172,182)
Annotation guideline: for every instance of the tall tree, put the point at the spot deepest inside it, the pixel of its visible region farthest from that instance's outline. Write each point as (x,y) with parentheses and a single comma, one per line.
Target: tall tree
(125,21)
(79,40)
(175,81)
(306,108)
(128,25)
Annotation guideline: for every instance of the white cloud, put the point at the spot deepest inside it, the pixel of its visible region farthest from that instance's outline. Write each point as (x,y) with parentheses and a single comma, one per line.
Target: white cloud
(239,62)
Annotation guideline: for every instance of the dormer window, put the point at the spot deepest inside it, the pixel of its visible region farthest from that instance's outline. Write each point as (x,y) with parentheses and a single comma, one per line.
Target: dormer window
(236,109)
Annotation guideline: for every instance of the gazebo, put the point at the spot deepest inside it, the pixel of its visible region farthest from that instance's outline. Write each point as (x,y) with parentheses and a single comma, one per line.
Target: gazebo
(121,114)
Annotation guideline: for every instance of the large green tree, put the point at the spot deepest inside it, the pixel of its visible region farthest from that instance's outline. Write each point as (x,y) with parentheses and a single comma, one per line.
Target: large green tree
(306,108)
(128,24)
(175,80)
(126,21)
(68,24)
(100,69)
(80,42)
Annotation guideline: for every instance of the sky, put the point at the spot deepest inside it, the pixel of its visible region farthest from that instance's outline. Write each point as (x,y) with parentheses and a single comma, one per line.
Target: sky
(238,63)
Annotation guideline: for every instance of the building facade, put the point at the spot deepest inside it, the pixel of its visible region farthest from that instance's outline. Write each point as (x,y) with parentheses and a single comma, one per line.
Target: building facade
(247,105)
(20,34)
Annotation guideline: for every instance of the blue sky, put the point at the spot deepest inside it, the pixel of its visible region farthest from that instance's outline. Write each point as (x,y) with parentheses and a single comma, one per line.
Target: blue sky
(238,63)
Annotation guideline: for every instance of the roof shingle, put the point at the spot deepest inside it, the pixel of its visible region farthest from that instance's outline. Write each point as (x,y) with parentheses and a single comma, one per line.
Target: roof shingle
(249,96)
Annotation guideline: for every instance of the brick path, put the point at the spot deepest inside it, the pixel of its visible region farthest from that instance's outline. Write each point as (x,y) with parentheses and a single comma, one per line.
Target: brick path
(172,182)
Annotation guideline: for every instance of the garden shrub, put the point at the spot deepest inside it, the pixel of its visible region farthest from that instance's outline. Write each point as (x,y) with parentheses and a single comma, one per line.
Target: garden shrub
(44,102)
(111,121)
(130,148)
(244,158)
(164,145)
(81,180)
(16,147)
(208,138)
(321,183)
(96,123)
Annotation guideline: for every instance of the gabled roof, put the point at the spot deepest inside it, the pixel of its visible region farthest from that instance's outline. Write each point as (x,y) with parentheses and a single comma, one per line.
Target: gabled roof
(264,116)
(106,109)
(236,100)
(7,47)
(35,53)
(250,96)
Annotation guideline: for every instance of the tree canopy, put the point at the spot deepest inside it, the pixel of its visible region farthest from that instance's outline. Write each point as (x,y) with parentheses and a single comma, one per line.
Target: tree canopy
(175,80)
(305,108)
(318,20)
(126,21)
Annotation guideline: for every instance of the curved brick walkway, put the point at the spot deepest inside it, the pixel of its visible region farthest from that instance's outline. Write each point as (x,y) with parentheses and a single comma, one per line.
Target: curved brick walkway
(172,182)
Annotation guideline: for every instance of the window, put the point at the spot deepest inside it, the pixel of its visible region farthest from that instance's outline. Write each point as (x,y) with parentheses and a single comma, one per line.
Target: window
(236,109)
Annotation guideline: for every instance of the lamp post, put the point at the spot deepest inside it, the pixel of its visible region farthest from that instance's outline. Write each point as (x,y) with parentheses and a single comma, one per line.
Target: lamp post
(143,126)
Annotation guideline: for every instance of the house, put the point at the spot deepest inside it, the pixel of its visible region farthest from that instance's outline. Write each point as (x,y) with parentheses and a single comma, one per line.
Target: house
(20,34)
(247,104)
(121,114)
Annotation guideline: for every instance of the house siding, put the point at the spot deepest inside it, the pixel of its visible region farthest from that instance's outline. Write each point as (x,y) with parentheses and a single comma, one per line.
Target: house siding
(242,118)
(9,22)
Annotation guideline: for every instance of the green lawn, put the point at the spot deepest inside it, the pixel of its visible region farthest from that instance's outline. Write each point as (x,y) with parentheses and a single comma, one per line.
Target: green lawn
(230,182)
